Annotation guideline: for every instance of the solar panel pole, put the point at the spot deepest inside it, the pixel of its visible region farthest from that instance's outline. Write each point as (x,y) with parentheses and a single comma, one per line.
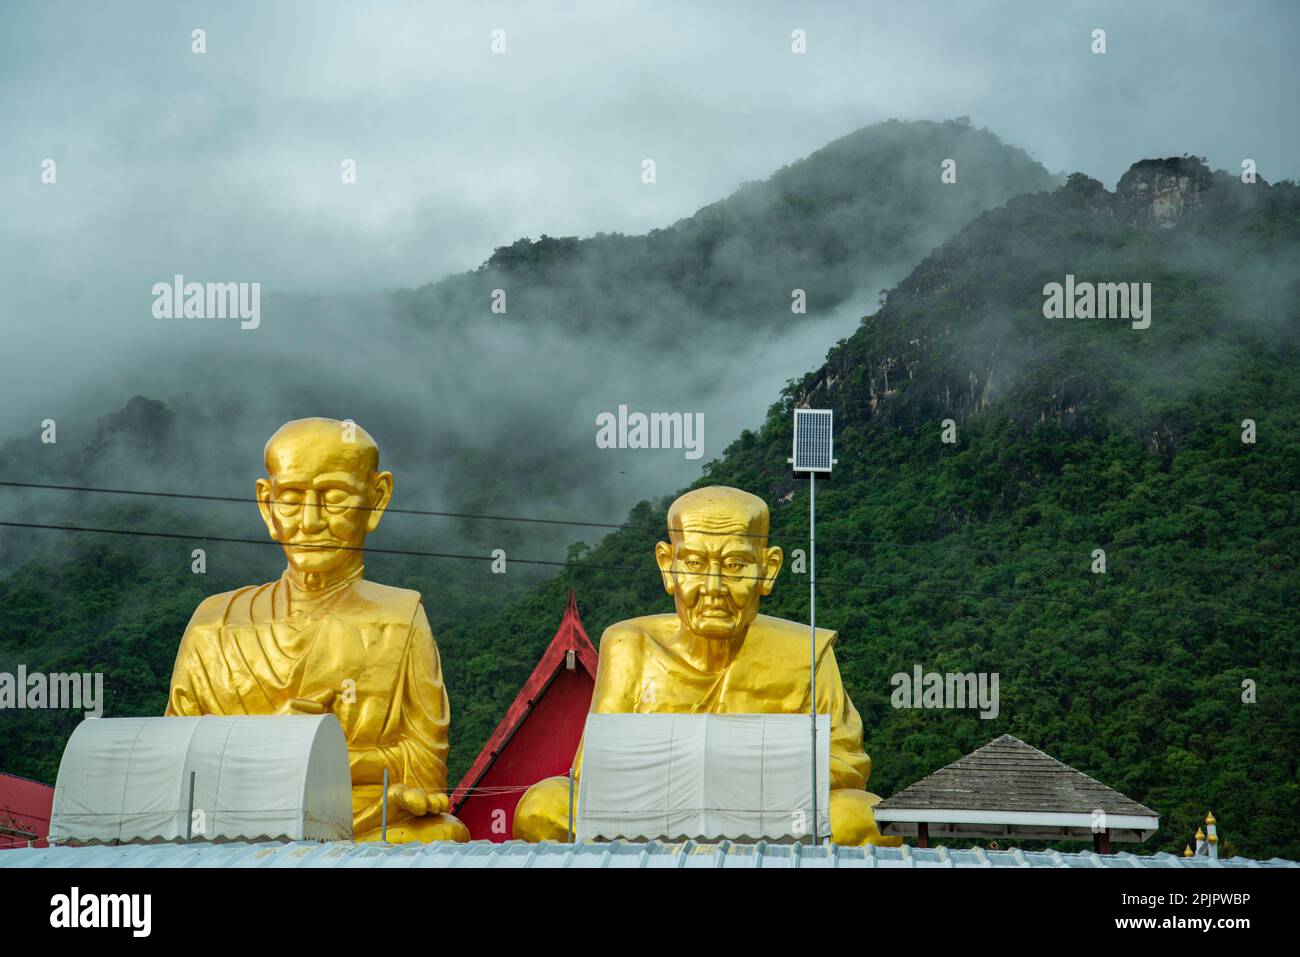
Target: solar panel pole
(812,640)
(813,450)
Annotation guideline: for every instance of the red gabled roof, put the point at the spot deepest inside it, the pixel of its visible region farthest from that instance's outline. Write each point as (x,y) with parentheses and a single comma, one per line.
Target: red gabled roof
(24,806)
(570,636)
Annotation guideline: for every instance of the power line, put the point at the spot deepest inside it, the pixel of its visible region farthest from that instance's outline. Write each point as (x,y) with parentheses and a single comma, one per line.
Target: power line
(199,537)
(254,501)
(587,566)
(938,543)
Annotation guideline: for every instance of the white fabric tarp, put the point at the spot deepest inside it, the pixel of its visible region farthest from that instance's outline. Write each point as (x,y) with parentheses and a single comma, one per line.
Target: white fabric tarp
(267,777)
(702,777)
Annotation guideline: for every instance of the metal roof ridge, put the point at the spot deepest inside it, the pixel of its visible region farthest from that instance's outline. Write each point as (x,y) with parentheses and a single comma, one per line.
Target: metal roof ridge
(686,849)
(724,848)
(604,858)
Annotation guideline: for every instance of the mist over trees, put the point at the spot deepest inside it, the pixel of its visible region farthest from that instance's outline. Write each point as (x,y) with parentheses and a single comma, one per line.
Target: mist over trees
(977,556)
(1073,435)
(484,413)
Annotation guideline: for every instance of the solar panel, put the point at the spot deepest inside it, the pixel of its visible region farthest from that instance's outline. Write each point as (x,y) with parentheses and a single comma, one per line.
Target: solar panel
(812,440)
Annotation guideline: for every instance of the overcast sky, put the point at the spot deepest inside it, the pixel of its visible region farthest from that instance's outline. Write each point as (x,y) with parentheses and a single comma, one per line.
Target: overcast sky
(226,165)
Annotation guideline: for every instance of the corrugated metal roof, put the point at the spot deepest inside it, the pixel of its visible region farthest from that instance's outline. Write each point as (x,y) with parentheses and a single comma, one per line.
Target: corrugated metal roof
(613,854)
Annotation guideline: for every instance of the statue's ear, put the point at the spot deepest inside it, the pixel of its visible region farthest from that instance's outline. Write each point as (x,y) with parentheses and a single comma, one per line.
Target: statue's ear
(265,494)
(664,559)
(772,560)
(383,495)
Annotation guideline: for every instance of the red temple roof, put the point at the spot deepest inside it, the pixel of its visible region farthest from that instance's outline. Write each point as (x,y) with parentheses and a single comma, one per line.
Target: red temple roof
(25,809)
(538,736)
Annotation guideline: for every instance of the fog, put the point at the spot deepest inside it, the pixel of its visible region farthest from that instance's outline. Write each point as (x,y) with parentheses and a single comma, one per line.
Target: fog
(226,166)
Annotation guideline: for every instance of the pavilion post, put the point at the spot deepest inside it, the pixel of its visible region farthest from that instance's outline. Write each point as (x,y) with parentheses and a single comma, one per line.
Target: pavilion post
(189,815)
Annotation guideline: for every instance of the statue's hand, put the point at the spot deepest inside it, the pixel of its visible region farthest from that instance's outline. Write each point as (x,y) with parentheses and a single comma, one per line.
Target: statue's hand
(418,801)
(318,703)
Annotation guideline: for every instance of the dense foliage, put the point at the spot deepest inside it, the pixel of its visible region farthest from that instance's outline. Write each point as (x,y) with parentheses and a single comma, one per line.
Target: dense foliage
(1072,435)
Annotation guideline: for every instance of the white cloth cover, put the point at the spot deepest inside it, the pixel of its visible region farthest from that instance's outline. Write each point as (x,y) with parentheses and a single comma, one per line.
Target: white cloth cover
(702,777)
(272,777)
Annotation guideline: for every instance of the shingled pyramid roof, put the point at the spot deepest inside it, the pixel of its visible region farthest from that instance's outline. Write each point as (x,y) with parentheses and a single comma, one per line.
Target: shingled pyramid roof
(1009,775)
(1009,788)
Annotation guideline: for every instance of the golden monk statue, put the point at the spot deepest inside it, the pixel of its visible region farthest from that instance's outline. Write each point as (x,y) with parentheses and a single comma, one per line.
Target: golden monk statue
(718,655)
(322,638)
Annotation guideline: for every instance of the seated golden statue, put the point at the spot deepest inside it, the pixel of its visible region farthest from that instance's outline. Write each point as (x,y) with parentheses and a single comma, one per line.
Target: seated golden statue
(322,638)
(718,655)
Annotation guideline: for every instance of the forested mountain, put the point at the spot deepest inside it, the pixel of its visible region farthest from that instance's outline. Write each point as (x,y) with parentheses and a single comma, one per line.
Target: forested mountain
(479,412)
(1071,435)
(476,413)
(861,210)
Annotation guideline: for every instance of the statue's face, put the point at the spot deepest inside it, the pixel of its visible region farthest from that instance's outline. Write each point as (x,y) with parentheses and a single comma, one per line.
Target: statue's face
(324,498)
(717,572)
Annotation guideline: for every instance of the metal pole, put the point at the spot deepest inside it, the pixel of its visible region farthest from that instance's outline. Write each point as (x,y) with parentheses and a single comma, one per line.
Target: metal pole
(570,805)
(383,815)
(189,817)
(812,639)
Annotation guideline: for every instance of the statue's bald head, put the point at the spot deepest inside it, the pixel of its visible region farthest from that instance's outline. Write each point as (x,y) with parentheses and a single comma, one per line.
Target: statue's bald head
(718,509)
(719,565)
(322,495)
(318,444)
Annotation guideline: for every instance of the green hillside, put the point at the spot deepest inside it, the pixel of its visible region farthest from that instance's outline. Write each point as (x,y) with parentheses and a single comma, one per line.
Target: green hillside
(495,414)
(977,556)
(1072,435)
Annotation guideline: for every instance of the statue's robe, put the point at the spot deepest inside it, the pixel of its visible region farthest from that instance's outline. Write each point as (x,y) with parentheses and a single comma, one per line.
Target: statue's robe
(641,672)
(251,650)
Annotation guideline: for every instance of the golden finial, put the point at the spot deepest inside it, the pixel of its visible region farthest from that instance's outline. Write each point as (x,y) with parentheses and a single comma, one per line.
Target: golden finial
(1200,835)
(1187,851)
(1213,839)
(1209,818)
